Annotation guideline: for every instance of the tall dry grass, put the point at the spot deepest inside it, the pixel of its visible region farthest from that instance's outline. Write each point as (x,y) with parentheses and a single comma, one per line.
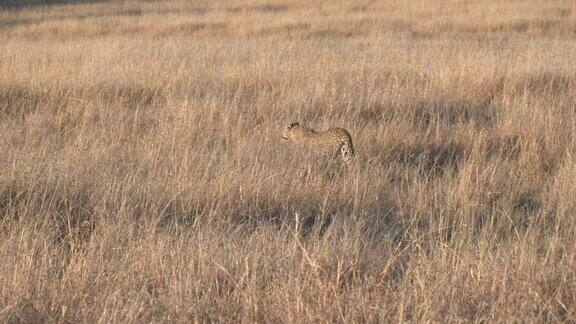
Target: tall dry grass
(143,177)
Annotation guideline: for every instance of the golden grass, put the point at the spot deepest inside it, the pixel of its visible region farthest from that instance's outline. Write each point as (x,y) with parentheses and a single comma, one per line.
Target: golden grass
(143,176)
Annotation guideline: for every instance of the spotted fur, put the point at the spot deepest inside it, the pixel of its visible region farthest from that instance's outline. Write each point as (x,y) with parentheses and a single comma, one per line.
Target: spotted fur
(335,140)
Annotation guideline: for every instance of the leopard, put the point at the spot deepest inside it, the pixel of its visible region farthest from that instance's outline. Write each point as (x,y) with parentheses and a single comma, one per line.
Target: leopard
(335,140)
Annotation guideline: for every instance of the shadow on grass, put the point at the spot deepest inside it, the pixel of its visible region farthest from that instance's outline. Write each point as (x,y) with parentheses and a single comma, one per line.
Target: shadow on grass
(18,101)
(481,114)
(430,112)
(16,4)
(312,216)
(499,146)
(434,158)
(78,16)
(72,214)
(556,84)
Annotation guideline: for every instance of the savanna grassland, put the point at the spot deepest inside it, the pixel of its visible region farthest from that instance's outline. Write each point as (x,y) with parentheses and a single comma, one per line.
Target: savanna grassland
(143,177)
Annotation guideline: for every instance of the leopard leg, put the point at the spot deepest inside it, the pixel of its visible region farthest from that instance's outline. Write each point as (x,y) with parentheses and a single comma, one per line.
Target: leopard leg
(345,152)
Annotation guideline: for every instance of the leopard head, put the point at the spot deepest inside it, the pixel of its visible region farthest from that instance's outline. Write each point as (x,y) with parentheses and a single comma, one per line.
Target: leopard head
(287,133)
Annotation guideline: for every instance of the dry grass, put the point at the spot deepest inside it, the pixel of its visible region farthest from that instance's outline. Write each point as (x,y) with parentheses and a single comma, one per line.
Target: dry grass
(143,177)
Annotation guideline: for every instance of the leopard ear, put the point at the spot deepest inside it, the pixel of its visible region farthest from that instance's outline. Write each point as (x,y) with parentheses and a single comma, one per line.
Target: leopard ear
(294,124)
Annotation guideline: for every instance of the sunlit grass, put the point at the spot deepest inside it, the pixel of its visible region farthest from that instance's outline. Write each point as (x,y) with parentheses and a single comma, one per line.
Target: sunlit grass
(144,178)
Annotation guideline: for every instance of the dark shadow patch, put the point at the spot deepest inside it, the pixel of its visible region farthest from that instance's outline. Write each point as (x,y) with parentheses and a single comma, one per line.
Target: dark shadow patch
(315,225)
(450,113)
(266,8)
(312,215)
(538,26)
(232,9)
(360,8)
(564,12)
(381,207)
(393,26)
(25,311)
(330,166)
(522,204)
(18,101)
(377,218)
(396,270)
(72,214)
(131,12)
(545,83)
(370,114)
(172,214)
(132,96)
(329,33)
(526,202)
(75,219)
(312,115)
(548,156)
(514,28)
(381,218)
(254,211)
(276,212)
(376,113)
(31,21)
(507,146)
(10,198)
(193,28)
(289,29)
(419,34)
(244,93)
(269,8)
(510,27)
(17,4)
(435,158)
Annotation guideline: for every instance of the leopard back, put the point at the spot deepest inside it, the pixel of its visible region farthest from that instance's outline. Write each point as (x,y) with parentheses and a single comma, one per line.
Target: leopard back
(331,140)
